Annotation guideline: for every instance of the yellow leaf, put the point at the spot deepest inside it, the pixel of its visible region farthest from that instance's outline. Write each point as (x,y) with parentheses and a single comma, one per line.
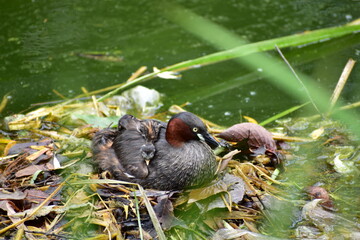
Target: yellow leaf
(4,140)
(205,192)
(8,146)
(317,133)
(4,101)
(126,210)
(37,154)
(99,222)
(250,119)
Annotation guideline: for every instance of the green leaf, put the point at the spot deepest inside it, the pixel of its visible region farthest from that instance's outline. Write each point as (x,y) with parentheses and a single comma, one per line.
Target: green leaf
(282,114)
(102,122)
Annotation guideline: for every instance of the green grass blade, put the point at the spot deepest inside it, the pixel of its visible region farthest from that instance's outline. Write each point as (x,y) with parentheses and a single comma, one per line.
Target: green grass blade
(223,39)
(239,51)
(323,49)
(282,114)
(273,70)
(154,219)
(138,217)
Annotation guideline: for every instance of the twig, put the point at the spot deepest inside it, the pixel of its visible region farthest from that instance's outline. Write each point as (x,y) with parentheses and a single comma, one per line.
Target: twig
(83,96)
(96,106)
(261,173)
(350,106)
(85,91)
(129,84)
(59,94)
(297,77)
(136,74)
(341,83)
(57,101)
(4,102)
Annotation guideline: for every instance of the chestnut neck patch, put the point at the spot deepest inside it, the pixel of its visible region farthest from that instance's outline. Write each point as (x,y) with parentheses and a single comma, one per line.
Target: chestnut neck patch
(178,132)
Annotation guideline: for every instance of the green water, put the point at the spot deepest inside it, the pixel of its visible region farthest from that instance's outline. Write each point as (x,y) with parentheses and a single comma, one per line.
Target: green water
(40,43)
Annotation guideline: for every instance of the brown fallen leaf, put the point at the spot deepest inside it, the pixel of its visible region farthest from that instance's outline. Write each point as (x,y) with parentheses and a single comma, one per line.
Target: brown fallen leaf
(17,195)
(7,206)
(36,197)
(30,170)
(255,135)
(225,160)
(29,146)
(164,211)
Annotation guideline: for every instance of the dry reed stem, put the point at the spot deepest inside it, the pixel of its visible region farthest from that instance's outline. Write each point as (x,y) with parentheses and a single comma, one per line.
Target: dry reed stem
(342,81)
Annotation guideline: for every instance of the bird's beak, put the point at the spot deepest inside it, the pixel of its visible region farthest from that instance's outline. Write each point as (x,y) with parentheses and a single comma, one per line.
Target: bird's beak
(210,140)
(147,161)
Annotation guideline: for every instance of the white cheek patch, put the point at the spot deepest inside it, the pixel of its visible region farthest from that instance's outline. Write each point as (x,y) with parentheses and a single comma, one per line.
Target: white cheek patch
(201,137)
(129,175)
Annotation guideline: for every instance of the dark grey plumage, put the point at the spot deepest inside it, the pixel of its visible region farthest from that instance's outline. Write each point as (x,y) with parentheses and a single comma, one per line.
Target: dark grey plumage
(176,168)
(179,151)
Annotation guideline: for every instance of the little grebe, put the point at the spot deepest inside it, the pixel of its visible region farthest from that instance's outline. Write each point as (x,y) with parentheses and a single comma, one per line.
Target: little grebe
(159,156)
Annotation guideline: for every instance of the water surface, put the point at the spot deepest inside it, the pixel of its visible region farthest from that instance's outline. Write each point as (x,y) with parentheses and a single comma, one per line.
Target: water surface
(43,42)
